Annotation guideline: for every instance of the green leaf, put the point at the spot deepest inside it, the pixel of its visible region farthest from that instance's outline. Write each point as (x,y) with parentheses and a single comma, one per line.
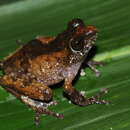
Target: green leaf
(26,19)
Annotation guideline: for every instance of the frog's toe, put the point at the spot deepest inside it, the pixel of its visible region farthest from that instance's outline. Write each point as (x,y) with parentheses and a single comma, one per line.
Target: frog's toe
(42,110)
(92,66)
(77,98)
(82,101)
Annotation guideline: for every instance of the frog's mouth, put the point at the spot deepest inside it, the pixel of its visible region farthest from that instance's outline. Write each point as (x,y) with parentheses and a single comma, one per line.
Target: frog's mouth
(89,41)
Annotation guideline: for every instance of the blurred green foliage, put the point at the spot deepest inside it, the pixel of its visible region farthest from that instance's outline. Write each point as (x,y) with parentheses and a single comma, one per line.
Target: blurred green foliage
(26,19)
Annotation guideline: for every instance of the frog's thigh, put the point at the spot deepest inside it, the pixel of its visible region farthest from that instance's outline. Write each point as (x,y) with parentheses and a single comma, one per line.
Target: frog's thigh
(33,90)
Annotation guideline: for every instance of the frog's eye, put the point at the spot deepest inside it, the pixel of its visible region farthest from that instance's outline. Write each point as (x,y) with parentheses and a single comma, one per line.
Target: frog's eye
(76,45)
(75,23)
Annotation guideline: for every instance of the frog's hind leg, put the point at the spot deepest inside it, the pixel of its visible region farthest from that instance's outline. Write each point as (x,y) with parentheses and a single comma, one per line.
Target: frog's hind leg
(40,108)
(35,95)
(9,89)
(32,89)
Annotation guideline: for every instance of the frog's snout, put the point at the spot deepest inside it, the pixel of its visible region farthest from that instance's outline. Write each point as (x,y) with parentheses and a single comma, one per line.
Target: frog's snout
(92,28)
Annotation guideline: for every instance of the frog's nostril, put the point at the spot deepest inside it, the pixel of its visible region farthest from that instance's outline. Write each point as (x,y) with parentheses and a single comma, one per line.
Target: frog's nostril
(92,29)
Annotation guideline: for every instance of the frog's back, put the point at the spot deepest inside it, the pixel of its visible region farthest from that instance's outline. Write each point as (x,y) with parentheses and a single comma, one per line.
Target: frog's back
(19,60)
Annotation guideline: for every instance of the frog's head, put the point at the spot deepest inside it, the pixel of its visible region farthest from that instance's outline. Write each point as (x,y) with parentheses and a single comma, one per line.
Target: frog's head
(83,37)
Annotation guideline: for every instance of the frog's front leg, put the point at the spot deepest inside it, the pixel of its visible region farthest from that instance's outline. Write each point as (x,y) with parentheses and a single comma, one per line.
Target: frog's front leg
(92,65)
(77,98)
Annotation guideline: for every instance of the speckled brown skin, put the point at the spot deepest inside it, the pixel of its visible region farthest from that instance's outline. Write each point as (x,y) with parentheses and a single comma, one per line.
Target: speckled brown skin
(46,61)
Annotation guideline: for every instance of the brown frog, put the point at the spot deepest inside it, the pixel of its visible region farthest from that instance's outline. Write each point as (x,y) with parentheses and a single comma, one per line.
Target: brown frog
(45,61)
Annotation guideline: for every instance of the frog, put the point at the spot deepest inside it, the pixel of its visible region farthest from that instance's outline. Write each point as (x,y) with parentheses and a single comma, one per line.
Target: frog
(30,72)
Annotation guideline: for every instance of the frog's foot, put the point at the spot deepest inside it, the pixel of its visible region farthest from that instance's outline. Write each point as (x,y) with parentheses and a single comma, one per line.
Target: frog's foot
(41,108)
(77,98)
(92,66)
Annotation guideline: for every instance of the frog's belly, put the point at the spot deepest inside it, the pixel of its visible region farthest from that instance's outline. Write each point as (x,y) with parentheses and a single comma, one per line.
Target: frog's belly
(55,76)
(49,77)
(52,74)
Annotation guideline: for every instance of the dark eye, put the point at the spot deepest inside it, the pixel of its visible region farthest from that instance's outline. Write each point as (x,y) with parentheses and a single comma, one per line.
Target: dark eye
(76,45)
(75,23)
